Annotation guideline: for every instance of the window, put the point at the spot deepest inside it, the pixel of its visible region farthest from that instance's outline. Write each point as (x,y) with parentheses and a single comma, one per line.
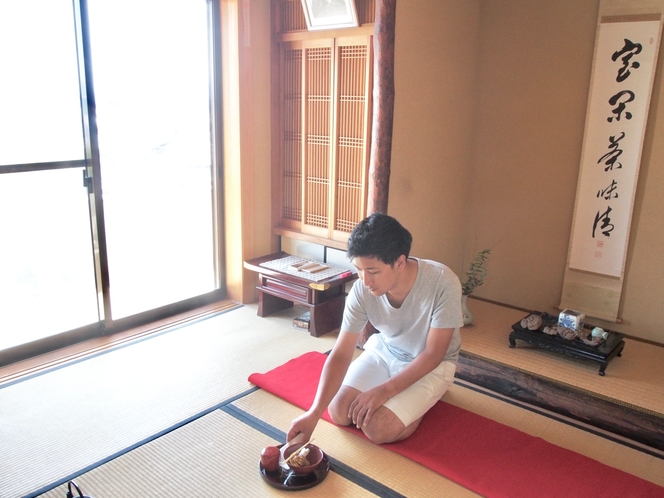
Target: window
(39,45)
(108,169)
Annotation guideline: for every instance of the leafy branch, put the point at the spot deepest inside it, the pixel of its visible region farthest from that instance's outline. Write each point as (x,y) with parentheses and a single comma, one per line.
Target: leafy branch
(476,273)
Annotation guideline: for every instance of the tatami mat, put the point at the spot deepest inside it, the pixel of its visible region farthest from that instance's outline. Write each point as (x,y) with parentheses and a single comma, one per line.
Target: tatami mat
(60,422)
(635,377)
(394,471)
(215,456)
(73,420)
(363,455)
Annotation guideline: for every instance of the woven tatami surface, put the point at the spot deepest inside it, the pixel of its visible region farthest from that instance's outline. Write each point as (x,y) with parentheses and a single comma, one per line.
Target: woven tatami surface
(217,455)
(57,423)
(369,458)
(394,471)
(63,423)
(214,456)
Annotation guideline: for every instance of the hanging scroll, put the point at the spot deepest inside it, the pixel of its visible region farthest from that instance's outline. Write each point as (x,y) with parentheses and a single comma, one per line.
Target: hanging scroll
(620,97)
(624,66)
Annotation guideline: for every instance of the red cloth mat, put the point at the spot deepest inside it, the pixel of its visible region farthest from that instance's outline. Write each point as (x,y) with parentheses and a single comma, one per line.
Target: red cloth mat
(485,456)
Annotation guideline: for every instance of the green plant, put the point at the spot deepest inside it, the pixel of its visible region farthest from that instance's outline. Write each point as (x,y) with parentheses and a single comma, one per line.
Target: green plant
(476,273)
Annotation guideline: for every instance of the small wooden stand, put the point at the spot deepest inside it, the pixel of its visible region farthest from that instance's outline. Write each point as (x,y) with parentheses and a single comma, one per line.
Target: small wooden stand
(278,290)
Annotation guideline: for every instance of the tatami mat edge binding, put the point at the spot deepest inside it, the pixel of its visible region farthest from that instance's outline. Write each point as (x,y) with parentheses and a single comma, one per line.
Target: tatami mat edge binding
(269,430)
(71,418)
(139,444)
(340,468)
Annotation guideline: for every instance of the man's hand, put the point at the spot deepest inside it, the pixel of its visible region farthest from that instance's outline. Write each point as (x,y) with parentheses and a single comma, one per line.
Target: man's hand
(331,377)
(302,428)
(365,405)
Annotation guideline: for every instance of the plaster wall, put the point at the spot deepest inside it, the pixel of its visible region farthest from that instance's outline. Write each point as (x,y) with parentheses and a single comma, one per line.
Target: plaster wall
(490,109)
(490,106)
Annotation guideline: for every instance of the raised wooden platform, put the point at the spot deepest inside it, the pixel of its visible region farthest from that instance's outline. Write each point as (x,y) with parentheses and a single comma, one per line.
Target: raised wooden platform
(624,420)
(628,401)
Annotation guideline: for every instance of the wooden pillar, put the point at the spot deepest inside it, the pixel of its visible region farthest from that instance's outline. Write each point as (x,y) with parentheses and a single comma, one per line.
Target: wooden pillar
(383,106)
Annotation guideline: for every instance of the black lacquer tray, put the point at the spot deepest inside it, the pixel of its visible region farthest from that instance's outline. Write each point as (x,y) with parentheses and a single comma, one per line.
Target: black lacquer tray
(602,353)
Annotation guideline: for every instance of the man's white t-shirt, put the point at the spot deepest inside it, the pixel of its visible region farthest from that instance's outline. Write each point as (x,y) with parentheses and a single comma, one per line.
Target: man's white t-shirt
(433,301)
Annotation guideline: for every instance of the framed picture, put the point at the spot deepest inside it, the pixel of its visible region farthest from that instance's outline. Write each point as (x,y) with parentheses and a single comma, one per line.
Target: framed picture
(330,14)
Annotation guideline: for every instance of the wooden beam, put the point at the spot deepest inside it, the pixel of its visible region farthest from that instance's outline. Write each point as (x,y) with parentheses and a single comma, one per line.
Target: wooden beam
(238,163)
(383,101)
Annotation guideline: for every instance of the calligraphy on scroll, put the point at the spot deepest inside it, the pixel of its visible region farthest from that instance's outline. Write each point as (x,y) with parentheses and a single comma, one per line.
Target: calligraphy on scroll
(625,60)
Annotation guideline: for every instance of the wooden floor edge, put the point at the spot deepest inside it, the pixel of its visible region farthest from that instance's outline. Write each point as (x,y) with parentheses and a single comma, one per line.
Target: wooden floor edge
(617,417)
(478,357)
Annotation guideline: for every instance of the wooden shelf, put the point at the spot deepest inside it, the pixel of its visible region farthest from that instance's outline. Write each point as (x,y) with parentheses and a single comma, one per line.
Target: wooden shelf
(278,290)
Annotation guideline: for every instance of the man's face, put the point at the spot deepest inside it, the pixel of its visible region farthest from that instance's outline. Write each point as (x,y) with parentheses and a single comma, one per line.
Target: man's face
(376,276)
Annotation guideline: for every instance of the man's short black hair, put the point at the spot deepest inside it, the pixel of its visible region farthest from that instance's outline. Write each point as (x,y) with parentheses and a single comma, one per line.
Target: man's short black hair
(379,236)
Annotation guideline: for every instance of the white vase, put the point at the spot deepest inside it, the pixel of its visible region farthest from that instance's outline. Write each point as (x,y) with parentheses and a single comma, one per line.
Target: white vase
(467,314)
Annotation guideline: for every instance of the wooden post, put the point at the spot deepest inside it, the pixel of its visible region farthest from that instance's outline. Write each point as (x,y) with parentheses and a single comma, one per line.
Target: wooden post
(383,116)
(383,106)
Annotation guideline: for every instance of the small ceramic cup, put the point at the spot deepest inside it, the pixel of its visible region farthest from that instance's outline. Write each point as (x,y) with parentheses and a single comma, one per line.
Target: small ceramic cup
(270,458)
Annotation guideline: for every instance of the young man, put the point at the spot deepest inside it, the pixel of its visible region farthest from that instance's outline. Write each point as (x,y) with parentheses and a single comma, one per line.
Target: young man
(404,370)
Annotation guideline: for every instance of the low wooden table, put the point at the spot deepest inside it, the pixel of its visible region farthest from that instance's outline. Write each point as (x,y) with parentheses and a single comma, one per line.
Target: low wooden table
(602,354)
(278,290)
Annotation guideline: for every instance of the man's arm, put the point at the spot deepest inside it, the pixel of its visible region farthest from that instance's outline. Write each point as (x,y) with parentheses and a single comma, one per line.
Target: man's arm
(365,405)
(331,378)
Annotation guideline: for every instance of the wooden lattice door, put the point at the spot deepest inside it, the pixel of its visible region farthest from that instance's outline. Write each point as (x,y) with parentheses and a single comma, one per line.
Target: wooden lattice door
(325,96)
